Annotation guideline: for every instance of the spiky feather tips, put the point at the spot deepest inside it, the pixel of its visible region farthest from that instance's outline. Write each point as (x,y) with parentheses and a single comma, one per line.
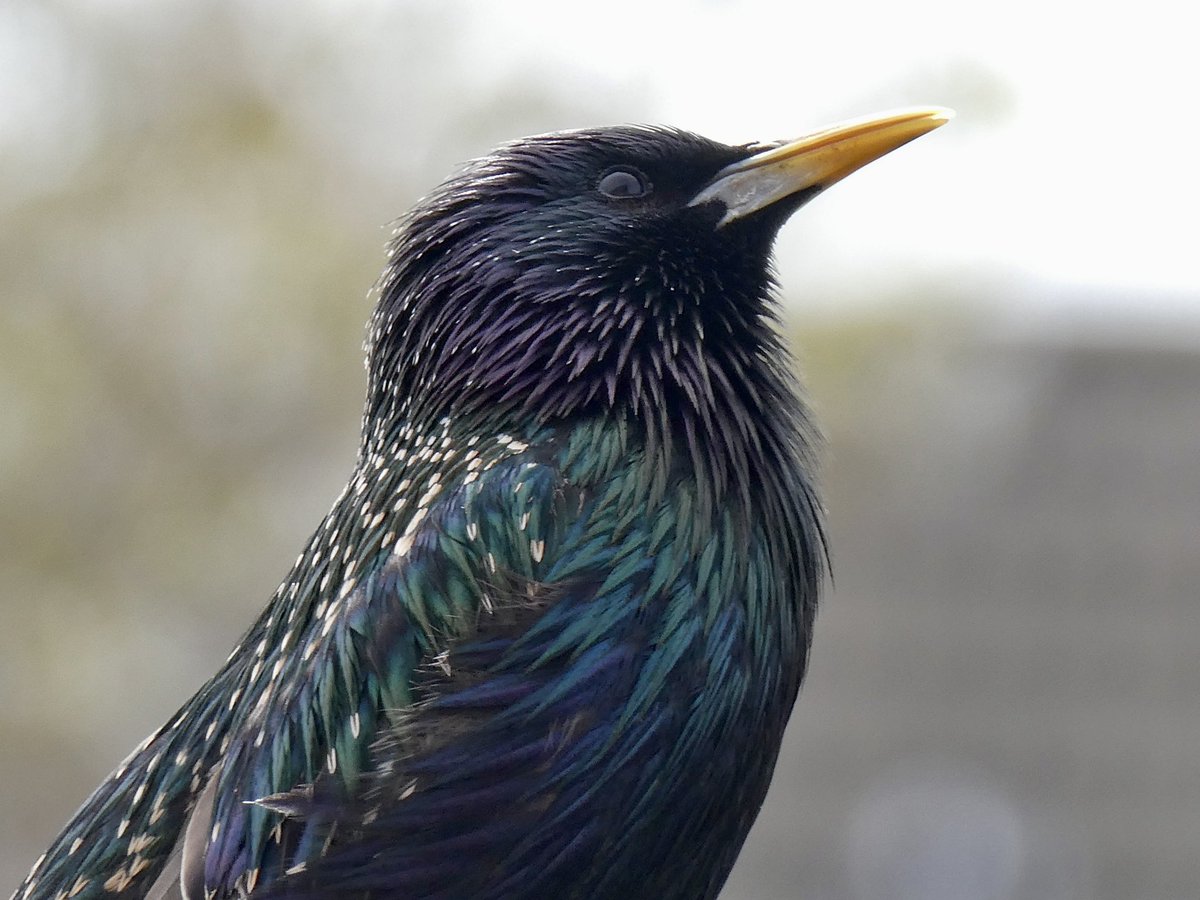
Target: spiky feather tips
(575,568)
(517,295)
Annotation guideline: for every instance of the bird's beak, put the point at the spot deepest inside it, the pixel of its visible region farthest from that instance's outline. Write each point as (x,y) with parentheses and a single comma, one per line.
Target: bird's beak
(814,162)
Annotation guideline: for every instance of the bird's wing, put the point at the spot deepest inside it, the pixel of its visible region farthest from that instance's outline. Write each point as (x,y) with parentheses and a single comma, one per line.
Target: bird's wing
(566,712)
(502,663)
(457,664)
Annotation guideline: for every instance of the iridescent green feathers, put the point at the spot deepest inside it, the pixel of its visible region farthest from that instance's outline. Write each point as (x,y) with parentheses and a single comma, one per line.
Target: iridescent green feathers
(622,654)
(547,639)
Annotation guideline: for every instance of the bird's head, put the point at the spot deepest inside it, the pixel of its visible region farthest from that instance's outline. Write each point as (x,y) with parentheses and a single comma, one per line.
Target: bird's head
(619,268)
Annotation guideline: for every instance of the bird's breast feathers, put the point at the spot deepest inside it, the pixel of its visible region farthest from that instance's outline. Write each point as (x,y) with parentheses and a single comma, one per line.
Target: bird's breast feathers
(546,615)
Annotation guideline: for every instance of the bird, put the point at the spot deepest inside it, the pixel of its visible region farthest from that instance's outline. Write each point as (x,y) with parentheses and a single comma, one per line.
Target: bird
(546,641)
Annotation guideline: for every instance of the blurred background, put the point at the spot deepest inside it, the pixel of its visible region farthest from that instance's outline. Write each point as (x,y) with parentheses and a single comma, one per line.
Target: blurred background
(999,325)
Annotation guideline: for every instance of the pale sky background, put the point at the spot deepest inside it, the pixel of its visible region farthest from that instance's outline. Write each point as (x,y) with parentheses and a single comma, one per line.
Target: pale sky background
(1073,160)
(1071,166)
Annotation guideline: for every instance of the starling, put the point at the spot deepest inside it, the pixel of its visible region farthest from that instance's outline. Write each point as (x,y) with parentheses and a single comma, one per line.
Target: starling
(546,641)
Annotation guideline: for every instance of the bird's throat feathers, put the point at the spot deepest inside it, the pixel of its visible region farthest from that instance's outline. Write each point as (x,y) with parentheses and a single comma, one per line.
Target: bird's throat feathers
(697,368)
(519,296)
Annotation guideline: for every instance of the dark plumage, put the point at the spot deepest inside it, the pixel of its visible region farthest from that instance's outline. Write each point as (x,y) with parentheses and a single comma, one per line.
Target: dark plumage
(546,642)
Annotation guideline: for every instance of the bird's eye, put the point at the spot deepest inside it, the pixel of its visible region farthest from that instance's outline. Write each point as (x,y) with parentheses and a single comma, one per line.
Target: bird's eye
(622,183)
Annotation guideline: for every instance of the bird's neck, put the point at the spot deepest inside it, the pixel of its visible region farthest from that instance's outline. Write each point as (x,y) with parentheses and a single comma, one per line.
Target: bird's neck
(719,410)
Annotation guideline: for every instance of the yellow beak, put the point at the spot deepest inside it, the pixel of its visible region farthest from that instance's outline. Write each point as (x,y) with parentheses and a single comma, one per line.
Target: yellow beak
(814,162)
